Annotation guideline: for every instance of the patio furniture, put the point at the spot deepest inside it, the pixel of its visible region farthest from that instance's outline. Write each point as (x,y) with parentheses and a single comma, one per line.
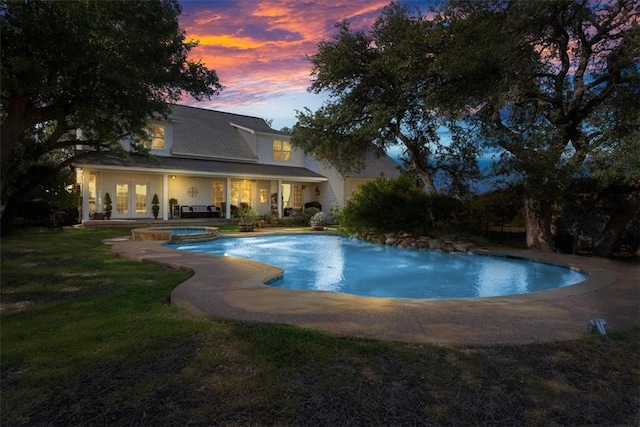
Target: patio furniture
(199,211)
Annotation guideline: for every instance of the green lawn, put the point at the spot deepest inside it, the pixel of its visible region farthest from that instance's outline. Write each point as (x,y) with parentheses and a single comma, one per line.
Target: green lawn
(89,339)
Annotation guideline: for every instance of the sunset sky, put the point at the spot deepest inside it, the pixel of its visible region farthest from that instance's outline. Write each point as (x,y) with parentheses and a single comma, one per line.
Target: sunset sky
(259,49)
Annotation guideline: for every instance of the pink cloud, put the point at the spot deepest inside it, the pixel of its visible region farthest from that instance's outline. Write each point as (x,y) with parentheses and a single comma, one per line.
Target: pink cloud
(259,48)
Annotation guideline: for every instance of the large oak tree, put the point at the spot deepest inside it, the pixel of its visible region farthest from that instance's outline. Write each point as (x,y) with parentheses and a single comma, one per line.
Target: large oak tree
(554,86)
(103,66)
(379,83)
(551,86)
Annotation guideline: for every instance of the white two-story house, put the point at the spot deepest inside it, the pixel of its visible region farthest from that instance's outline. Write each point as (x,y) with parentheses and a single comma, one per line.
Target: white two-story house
(216,162)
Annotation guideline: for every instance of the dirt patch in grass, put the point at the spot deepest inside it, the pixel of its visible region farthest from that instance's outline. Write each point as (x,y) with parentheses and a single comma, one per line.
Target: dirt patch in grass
(13,307)
(52,290)
(15,254)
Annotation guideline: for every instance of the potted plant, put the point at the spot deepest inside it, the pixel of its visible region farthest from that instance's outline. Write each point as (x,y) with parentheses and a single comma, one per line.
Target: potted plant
(247,219)
(172,202)
(107,206)
(268,220)
(155,206)
(318,221)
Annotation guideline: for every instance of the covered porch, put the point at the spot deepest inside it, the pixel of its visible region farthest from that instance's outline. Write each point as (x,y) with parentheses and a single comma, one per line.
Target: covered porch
(191,188)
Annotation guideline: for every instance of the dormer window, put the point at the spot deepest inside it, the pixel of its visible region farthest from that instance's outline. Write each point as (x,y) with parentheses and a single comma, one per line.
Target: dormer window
(282,150)
(156,132)
(155,139)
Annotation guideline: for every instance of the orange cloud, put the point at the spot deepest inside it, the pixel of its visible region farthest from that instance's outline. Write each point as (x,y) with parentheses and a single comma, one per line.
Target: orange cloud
(259,48)
(271,9)
(228,40)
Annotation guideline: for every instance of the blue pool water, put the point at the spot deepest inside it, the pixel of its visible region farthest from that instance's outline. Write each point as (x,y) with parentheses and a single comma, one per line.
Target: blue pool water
(339,264)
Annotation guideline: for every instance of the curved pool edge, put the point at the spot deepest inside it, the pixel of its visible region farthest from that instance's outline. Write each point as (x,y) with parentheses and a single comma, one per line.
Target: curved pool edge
(234,288)
(597,279)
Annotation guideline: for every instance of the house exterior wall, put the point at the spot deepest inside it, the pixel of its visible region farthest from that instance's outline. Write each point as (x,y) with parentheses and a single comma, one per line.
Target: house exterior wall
(191,190)
(333,190)
(262,206)
(107,182)
(264,151)
(351,184)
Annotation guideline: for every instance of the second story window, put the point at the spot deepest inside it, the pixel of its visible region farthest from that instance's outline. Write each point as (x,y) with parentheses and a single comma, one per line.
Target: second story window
(282,150)
(157,137)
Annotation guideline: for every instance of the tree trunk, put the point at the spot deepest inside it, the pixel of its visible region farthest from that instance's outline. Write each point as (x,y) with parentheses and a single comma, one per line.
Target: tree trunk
(610,237)
(537,216)
(426,178)
(418,163)
(585,209)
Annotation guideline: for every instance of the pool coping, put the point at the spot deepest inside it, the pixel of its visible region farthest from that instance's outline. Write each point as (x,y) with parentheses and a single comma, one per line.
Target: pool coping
(234,288)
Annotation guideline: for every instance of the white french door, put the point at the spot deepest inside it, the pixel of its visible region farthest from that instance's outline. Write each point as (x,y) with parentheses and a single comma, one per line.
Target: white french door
(241,193)
(132,200)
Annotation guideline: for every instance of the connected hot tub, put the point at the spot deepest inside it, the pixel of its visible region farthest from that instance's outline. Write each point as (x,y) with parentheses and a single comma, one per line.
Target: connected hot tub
(176,234)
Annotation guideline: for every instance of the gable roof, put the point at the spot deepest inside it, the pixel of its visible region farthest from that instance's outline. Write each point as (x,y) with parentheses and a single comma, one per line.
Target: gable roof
(214,134)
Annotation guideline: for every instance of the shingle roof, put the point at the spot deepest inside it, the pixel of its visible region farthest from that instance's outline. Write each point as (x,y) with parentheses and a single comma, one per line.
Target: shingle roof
(214,134)
(205,167)
(200,132)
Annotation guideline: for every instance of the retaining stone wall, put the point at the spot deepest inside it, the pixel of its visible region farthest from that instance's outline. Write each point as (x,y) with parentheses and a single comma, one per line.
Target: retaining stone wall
(406,240)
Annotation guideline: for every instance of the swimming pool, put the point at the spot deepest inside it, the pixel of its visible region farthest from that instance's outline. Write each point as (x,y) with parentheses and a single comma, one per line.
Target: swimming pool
(338,264)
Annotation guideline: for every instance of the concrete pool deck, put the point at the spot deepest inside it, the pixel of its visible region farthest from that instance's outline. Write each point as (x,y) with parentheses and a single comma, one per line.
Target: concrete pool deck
(231,288)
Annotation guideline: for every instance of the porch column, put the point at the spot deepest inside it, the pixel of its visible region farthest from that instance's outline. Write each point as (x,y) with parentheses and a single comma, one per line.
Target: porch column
(84,196)
(165,196)
(279,192)
(227,196)
(99,184)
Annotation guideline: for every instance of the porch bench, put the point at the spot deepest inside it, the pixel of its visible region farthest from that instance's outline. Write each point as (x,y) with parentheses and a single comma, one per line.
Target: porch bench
(199,211)
(214,211)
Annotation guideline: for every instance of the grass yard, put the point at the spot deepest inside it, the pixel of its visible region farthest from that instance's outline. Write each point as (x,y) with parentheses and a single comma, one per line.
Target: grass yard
(90,339)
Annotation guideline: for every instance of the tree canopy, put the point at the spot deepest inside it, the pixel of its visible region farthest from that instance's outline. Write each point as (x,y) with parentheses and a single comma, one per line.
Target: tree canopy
(553,85)
(105,67)
(550,86)
(379,82)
